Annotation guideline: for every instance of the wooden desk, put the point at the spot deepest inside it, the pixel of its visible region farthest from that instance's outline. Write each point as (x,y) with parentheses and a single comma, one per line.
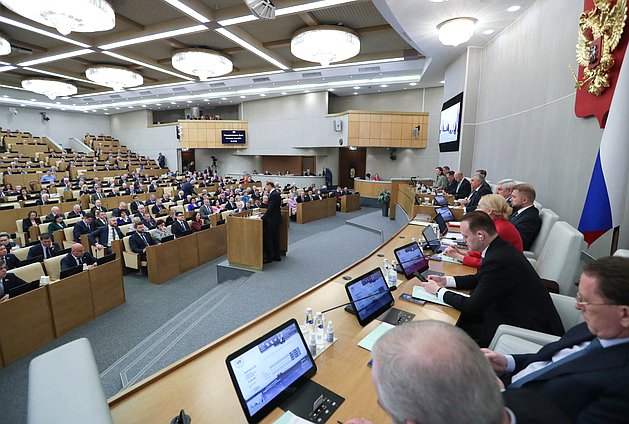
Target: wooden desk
(317,209)
(163,262)
(212,243)
(368,188)
(200,383)
(188,252)
(25,324)
(107,286)
(71,302)
(426,209)
(350,203)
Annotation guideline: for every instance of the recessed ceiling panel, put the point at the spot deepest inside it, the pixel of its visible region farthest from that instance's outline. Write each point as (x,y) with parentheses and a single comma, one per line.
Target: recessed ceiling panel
(353,15)
(280,28)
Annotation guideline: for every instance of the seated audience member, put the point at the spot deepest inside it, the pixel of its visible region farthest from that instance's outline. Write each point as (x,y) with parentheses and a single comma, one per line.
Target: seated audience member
(23,196)
(196,222)
(101,220)
(45,248)
(505,189)
(157,207)
(304,197)
(292,205)
(84,226)
(98,207)
(102,237)
(496,207)
(452,183)
(54,211)
(376,177)
(140,240)
(77,256)
(31,220)
(440,182)
(9,259)
(525,216)
(122,206)
(48,177)
(7,282)
(77,212)
(135,204)
(161,231)
(231,204)
(479,189)
(315,195)
(586,372)
(140,213)
(180,225)
(151,200)
(307,173)
(56,224)
(463,187)
(124,219)
(148,221)
(5,239)
(206,209)
(444,379)
(506,288)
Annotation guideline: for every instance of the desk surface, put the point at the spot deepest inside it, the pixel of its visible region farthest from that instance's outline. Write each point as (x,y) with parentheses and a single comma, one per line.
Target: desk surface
(200,383)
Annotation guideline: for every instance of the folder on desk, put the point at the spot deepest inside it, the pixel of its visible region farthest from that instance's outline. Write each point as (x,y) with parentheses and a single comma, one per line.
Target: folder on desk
(420,293)
(370,339)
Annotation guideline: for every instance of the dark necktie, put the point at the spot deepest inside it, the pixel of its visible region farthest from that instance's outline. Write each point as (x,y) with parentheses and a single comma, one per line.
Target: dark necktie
(80,261)
(46,252)
(146,242)
(183,226)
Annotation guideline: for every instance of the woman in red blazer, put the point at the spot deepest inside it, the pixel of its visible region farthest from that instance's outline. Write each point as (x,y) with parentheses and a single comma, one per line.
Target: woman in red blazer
(499,210)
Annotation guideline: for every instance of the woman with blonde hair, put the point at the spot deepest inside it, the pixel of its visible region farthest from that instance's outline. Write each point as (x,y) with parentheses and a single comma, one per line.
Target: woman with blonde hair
(499,210)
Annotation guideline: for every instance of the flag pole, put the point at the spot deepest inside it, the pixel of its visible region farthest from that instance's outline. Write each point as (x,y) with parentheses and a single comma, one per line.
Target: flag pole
(615,236)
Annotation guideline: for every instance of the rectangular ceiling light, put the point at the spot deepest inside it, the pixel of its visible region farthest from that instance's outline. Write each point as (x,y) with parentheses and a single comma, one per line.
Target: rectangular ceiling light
(251,48)
(148,65)
(158,36)
(54,74)
(56,57)
(41,31)
(237,20)
(188,10)
(144,87)
(6,68)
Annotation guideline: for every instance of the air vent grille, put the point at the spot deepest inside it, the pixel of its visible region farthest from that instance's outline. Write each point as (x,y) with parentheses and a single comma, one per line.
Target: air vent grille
(369,69)
(217,84)
(261,79)
(115,96)
(145,93)
(179,89)
(88,99)
(311,74)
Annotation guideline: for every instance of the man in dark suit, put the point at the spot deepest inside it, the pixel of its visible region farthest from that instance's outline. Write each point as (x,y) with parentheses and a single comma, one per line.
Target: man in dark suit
(7,282)
(479,189)
(463,188)
(452,183)
(157,207)
(188,187)
(180,225)
(140,240)
(45,248)
(84,226)
(586,372)
(505,189)
(9,259)
(506,288)
(525,216)
(77,256)
(54,211)
(135,204)
(206,209)
(231,205)
(98,207)
(447,371)
(102,237)
(121,206)
(101,220)
(148,221)
(272,219)
(75,212)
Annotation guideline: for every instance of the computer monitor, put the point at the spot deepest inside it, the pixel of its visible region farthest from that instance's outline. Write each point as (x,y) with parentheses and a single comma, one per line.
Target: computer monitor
(411,259)
(167,239)
(446,213)
(32,260)
(363,294)
(443,227)
(23,288)
(70,271)
(432,241)
(441,200)
(271,368)
(186,233)
(105,259)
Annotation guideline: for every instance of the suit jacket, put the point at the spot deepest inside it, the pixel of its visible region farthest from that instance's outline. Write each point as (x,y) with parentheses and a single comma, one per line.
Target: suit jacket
(26,224)
(205,211)
(81,228)
(11,261)
(591,389)
(482,191)
(528,224)
(68,260)
(73,214)
(94,197)
(116,212)
(95,210)
(273,214)
(451,187)
(176,228)
(11,281)
(101,235)
(464,190)
(97,223)
(150,224)
(231,206)
(506,290)
(157,208)
(38,250)
(137,244)
(531,408)
(187,188)
(135,205)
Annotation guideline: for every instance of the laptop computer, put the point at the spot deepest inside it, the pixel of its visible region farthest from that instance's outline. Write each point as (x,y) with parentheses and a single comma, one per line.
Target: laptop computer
(70,271)
(441,200)
(23,288)
(369,284)
(105,259)
(446,213)
(443,226)
(412,262)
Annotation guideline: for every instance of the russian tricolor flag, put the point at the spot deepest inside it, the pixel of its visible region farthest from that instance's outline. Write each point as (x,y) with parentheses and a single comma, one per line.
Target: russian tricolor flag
(605,201)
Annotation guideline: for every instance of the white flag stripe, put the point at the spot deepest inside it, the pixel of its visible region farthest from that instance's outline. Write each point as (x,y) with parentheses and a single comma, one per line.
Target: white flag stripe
(614,148)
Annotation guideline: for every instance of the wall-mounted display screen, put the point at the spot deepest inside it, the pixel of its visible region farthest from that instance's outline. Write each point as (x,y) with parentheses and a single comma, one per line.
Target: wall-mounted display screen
(450,125)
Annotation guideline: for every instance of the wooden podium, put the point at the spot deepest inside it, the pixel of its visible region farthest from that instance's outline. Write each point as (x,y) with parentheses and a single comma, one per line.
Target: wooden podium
(245,238)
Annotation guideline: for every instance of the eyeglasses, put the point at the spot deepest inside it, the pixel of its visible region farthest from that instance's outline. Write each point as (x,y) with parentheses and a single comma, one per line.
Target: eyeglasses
(581,302)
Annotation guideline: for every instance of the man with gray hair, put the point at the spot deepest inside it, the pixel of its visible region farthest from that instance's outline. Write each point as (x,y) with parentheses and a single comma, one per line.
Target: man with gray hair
(479,189)
(505,189)
(432,372)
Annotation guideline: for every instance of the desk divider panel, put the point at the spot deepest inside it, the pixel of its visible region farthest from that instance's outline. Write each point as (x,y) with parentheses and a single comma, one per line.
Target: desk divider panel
(350,202)
(163,262)
(71,302)
(244,242)
(107,286)
(212,243)
(188,252)
(311,211)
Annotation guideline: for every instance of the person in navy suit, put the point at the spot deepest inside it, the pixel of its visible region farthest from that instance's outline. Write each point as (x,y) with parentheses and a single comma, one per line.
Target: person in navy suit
(45,248)
(77,256)
(479,189)
(140,240)
(7,281)
(463,187)
(586,372)
(525,217)
(102,237)
(180,225)
(84,226)
(272,219)
(9,259)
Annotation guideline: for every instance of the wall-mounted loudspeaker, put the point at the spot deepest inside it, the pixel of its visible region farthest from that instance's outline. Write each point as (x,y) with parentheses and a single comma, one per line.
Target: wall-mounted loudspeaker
(338,125)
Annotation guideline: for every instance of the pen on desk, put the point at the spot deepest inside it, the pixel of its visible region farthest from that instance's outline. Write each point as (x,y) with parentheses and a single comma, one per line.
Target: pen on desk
(339,422)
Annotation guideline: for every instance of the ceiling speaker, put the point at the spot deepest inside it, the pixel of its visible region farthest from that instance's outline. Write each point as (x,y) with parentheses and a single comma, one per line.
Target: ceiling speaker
(263,9)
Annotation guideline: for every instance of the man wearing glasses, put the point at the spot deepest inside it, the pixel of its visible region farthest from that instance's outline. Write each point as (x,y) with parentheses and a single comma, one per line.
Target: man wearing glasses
(586,372)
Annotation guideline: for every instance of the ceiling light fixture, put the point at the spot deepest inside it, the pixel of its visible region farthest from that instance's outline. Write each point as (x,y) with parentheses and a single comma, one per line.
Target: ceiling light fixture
(203,63)
(67,16)
(488,31)
(263,9)
(456,31)
(114,76)
(251,48)
(49,88)
(7,68)
(31,28)
(55,74)
(325,44)
(56,57)
(188,10)
(5,45)
(514,8)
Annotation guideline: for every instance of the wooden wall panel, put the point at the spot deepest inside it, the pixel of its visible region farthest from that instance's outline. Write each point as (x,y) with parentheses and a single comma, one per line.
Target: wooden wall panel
(387,129)
(207,134)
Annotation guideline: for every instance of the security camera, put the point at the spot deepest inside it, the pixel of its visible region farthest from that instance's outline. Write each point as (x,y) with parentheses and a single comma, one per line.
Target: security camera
(13,111)
(44,117)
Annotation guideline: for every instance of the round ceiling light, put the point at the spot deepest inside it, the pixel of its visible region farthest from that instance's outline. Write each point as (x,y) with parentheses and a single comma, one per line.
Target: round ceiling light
(325,44)
(49,88)
(203,63)
(114,76)
(65,15)
(5,46)
(456,31)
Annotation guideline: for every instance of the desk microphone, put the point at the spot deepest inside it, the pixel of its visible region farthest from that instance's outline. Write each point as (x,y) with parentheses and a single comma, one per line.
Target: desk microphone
(391,289)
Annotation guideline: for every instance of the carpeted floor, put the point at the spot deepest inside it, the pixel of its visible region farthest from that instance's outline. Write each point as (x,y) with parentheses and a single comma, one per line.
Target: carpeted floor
(160,324)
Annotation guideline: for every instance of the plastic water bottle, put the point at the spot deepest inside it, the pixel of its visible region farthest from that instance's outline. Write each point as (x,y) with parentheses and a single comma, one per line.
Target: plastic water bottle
(319,331)
(312,344)
(385,267)
(309,321)
(329,334)
(392,277)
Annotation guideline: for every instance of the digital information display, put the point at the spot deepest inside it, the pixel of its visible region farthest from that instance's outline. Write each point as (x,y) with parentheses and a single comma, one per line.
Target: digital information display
(234,136)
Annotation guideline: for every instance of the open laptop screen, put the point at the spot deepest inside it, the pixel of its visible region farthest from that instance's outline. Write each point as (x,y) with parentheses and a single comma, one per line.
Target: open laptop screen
(366,285)
(441,200)
(411,259)
(443,227)
(446,213)
(269,369)
(431,239)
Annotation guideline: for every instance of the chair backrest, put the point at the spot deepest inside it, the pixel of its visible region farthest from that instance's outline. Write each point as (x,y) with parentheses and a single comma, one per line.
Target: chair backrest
(127,246)
(43,228)
(548,218)
(126,228)
(53,266)
(30,272)
(178,208)
(538,205)
(623,253)
(18,225)
(560,256)
(565,305)
(69,233)
(72,220)
(21,253)
(225,214)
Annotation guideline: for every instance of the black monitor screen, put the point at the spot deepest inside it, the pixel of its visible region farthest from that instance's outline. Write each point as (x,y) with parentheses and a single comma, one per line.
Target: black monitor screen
(445,213)
(411,259)
(366,285)
(443,227)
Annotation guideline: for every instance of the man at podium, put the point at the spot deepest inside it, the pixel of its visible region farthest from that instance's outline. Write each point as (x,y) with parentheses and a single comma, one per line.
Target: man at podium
(272,219)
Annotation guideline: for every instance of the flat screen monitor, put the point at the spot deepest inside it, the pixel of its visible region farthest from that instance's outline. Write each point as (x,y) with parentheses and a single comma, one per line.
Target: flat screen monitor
(167,239)
(233,136)
(186,233)
(105,259)
(23,288)
(411,259)
(443,227)
(32,260)
(450,124)
(432,241)
(271,368)
(445,213)
(441,200)
(70,271)
(363,294)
